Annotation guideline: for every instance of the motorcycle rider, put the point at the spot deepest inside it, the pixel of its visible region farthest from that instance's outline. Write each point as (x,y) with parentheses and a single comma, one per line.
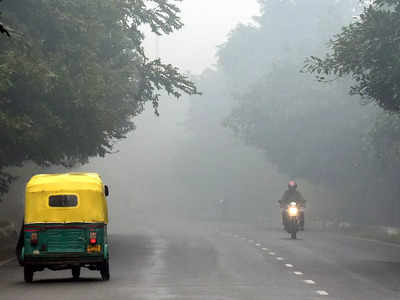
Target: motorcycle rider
(292,195)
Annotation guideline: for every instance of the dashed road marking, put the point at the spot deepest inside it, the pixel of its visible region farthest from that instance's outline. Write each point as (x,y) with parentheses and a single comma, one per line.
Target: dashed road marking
(298,273)
(308,281)
(322,293)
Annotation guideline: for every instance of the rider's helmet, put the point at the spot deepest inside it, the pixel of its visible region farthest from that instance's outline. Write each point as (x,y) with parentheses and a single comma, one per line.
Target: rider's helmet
(292,185)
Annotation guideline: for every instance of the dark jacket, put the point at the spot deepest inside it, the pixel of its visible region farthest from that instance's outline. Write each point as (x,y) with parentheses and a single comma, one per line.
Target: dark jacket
(292,196)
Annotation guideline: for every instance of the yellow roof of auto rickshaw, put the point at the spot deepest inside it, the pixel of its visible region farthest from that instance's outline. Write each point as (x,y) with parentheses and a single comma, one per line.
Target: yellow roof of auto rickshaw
(88,187)
(64,182)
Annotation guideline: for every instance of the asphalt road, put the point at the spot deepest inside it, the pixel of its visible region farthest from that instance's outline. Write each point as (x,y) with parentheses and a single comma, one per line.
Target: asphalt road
(224,261)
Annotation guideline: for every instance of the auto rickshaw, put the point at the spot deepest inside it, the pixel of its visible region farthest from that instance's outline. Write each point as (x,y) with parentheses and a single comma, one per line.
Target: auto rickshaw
(65,224)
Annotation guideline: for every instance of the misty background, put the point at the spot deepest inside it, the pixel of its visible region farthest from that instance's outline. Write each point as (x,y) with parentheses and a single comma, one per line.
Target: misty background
(259,123)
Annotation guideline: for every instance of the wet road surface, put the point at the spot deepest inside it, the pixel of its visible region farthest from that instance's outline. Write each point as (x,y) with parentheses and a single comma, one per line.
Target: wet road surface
(224,261)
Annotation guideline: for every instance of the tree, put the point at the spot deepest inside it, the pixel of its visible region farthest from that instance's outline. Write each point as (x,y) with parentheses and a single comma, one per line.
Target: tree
(308,131)
(368,51)
(279,111)
(76,74)
(287,31)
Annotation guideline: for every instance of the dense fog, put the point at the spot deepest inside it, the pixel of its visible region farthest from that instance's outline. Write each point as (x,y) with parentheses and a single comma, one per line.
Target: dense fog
(261,120)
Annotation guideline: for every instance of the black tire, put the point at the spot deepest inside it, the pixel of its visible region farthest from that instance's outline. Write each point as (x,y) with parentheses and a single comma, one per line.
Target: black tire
(293,229)
(76,272)
(105,270)
(28,274)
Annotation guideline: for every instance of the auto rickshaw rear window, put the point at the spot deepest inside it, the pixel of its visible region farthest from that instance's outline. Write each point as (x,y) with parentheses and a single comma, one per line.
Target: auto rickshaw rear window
(63,201)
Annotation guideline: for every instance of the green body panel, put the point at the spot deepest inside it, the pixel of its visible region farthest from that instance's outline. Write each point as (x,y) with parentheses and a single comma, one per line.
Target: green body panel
(21,258)
(59,239)
(105,251)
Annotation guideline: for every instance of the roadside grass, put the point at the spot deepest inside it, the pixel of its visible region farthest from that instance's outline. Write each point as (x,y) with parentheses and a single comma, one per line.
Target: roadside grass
(382,234)
(379,233)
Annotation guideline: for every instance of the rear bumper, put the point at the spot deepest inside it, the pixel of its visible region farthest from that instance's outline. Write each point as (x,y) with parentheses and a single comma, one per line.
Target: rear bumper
(62,259)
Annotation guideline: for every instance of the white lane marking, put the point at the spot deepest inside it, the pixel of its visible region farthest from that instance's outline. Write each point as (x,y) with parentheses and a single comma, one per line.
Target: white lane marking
(308,281)
(265,249)
(280,258)
(322,293)
(289,265)
(271,253)
(258,245)
(298,273)
(251,241)
(243,238)
(4,262)
(236,236)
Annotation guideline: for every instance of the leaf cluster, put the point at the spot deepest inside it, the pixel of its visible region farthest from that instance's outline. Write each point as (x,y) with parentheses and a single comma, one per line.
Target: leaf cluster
(367,50)
(75,75)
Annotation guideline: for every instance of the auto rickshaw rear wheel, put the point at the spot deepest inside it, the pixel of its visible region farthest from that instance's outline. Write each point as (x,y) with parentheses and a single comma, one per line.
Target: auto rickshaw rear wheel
(76,272)
(28,273)
(105,270)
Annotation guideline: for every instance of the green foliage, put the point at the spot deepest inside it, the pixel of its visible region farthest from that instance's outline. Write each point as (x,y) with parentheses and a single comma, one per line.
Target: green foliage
(385,140)
(368,51)
(308,130)
(75,74)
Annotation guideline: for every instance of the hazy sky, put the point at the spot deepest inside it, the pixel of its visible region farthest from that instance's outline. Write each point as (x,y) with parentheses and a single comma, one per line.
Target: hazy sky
(145,161)
(207,24)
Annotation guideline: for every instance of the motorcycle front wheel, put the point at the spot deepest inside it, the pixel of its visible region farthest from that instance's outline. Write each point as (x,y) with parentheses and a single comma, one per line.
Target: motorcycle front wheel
(293,228)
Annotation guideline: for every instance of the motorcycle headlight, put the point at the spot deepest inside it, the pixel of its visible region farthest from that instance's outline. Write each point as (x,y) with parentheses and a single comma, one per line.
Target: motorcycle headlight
(293,211)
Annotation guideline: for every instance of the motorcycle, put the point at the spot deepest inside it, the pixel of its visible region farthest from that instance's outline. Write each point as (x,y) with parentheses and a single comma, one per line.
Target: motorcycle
(292,219)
